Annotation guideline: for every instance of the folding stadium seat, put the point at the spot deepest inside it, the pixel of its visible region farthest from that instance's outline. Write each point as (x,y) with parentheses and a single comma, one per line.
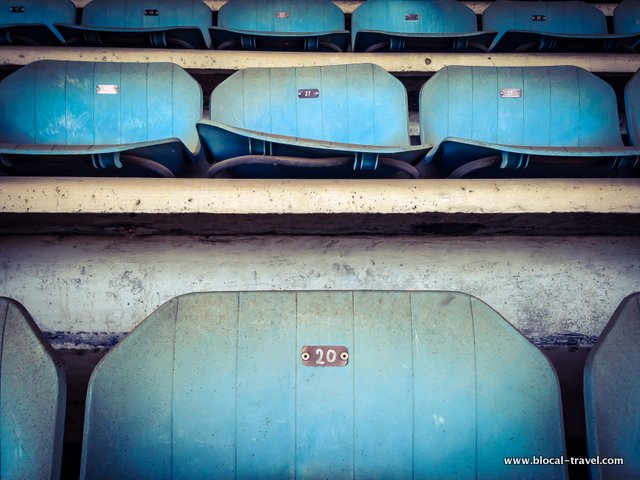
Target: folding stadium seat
(322,385)
(632,108)
(564,26)
(417,25)
(335,121)
(626,21)
(281,25)
(32,399)
(523,121)
(84,118)
(32,22)
(132,23)
(612,395)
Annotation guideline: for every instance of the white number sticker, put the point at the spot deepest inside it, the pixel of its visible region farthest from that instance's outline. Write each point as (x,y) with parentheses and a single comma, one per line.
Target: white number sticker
(103,89)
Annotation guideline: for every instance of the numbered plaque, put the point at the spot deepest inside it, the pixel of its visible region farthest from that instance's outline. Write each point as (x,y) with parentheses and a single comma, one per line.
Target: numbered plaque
(510,92)
(308,93)
(103,89)
(324,356)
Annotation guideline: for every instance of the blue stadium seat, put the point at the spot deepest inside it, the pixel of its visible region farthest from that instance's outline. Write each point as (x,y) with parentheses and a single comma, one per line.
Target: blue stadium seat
(84,118)
(283,25)
(333,384)
(334,121)
(32,399)
(131,23)
(33,22)
(632,108)
(564,26)
(626,21)
(417,25)
(612,395)
(523,121)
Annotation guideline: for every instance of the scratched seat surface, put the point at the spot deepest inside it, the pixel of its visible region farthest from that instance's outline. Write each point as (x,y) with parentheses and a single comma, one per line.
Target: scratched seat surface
(283,25)
(33,22)
(395,384)
(32,399)
(343,120)
(564,26)
(612,394)
(523,121)
(148,23)
(84,118)
(417,25)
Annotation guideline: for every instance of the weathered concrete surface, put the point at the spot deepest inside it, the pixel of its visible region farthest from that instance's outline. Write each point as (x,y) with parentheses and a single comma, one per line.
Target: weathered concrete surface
(133,206)
(255,196)
(547,286)
(403,63)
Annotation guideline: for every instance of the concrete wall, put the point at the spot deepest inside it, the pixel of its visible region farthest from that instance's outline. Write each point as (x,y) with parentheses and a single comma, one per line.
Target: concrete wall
(87,291)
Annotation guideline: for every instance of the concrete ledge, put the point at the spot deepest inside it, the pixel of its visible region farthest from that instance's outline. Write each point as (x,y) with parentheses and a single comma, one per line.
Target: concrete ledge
(224,206)
(229,61)
(295,197)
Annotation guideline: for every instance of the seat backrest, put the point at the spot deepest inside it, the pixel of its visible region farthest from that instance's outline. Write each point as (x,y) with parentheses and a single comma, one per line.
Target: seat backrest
(147,14)
(525,106)
(291,16)
(414,16)
(85,103)
(626,17)
(358,104)
(573,17)
(322,385)
(45,12)
(632,108)
(612,394)
(32,399)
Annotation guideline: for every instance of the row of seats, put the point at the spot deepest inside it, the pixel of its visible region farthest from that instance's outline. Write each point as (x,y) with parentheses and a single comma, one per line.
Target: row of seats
(427,384)
(140,119)
(376,25)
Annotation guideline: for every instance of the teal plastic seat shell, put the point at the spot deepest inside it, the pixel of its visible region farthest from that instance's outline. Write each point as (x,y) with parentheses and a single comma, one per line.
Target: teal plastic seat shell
(85,118)
(33,22)
(626,20)
(281,25)
(562,26)
(417,25)
(632,108)
(523,121)
(612,394)
(358,112)
(32,399)
(212,385)
(134,23)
